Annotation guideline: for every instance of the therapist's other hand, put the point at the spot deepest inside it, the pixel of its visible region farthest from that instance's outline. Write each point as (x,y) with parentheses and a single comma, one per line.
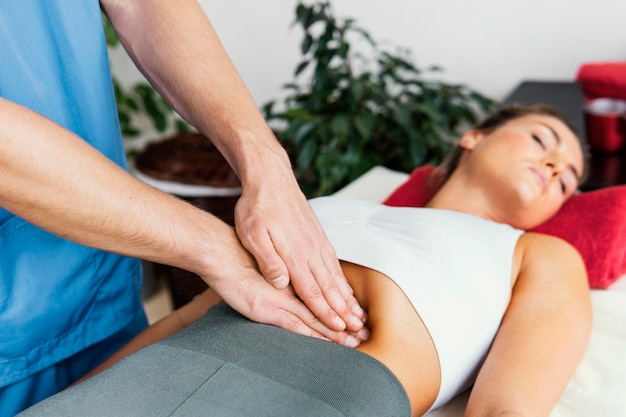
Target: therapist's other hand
(242,287)
(278,227)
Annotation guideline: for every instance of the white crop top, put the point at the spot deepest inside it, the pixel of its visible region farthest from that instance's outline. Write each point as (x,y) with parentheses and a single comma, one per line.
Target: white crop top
(455,268)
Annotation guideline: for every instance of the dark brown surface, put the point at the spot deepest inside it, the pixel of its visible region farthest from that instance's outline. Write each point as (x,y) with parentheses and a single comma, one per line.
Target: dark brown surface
(606,170)
(188,158)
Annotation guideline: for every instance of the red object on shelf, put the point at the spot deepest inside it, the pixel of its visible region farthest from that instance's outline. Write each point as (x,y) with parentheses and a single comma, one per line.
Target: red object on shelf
(603,79)
(605,123)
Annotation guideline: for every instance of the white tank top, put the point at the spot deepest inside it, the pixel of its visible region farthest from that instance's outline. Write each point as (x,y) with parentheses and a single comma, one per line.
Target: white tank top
(455,268)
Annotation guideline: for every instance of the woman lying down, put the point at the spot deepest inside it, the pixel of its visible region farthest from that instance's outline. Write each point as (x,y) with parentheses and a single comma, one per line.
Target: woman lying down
(457,295)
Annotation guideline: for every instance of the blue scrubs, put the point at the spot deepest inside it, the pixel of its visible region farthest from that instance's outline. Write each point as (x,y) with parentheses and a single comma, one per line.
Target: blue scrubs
(63,306)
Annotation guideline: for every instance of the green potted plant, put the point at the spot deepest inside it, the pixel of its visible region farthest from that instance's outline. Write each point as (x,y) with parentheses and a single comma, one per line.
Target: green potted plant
(139,103)
(350,109)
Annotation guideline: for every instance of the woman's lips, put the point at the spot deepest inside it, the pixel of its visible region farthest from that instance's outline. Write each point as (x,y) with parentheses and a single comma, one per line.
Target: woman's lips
(541,178)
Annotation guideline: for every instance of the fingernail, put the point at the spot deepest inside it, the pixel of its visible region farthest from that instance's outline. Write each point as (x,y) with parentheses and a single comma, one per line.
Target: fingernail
(356,309)
(280,282)
(340,323)
(356,321)
(352,342)
(363,334)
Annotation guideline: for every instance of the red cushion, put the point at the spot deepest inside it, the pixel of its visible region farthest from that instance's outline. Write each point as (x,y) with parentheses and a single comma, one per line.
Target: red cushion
(417,190)
(594,222)
(603,79)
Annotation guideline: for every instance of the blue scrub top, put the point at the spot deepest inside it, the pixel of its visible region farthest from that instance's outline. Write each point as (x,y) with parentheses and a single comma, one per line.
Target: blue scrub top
(57,297)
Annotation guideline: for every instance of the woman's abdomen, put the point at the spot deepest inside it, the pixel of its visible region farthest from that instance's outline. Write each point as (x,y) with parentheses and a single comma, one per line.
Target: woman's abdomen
(398,338)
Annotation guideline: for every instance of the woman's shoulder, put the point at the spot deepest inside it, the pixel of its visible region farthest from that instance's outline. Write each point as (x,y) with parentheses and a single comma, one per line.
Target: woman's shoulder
(541,255)
(540,243)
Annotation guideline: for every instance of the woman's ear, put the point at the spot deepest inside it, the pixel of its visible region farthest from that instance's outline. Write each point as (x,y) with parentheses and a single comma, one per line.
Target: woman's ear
(470,139)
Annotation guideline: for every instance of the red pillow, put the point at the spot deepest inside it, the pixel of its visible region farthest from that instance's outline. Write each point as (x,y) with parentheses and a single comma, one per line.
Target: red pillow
(594,222)
(603,79)
(417,189)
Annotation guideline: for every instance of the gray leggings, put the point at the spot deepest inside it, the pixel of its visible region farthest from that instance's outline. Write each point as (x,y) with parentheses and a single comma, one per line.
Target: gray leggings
(225,365)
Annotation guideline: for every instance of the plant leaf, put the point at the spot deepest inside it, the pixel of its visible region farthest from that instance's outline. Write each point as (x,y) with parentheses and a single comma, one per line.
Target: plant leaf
(150,103)
(305,46)
(301,67)
(306,154)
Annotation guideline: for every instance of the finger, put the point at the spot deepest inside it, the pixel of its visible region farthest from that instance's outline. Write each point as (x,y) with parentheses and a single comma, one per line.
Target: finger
(363,335)
(335,271)
(318,289)
(329,283)
(308,288)
(255,298)
(283,309)
(300,320)
(333,283)
(259,243)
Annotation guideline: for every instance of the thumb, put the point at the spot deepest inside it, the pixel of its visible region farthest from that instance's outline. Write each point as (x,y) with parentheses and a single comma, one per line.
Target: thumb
(268,260)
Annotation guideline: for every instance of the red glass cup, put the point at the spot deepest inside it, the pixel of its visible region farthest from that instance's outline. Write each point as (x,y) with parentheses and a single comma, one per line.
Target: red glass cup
(605,121)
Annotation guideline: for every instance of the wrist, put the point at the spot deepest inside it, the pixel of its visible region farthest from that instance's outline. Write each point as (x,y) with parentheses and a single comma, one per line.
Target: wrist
(264,162)
(253,152)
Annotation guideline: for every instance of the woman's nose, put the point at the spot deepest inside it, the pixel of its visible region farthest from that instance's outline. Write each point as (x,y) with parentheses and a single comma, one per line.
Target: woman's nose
(555,165)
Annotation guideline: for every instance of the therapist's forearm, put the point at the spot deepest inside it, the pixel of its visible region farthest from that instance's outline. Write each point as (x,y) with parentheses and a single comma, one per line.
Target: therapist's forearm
(55,180)
(175,46)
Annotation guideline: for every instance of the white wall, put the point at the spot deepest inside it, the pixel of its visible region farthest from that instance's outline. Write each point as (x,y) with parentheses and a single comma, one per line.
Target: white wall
(490,45)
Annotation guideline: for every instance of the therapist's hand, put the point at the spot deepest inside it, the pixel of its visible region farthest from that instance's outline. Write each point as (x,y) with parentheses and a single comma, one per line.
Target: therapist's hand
(276,224)
(252,296)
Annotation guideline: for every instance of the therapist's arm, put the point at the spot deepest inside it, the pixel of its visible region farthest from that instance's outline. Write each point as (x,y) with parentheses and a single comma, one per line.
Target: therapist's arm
(55,180)
(175,46)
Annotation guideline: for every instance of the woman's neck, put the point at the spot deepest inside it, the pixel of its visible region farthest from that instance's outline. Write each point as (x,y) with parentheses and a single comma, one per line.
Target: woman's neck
(459,195)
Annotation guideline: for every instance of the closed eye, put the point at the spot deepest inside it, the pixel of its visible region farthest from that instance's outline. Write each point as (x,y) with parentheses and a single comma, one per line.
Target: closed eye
(539,141)
(568,182)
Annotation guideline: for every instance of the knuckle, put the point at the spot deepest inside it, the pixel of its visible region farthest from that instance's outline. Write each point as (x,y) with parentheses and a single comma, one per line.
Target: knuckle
(250,231)
(312,292)
(271,268)
(292,324)
(328,286)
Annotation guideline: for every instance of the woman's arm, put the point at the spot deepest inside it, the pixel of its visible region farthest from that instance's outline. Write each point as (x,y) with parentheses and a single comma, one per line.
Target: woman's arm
(543,335)
(176,48)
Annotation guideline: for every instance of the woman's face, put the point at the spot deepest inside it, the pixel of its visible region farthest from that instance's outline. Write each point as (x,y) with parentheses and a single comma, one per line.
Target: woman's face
(530,166)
